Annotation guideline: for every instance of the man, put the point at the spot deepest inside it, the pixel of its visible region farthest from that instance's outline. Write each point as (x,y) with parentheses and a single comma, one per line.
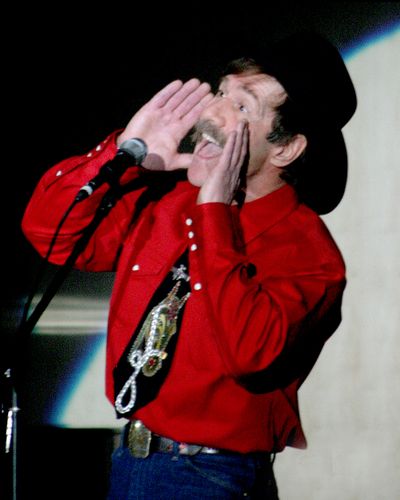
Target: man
(227,281)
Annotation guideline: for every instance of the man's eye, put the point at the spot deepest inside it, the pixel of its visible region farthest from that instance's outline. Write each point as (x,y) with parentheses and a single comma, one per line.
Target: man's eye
(220,93)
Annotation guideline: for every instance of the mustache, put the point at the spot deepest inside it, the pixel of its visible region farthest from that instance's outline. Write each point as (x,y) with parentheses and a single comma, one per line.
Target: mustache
(208,127)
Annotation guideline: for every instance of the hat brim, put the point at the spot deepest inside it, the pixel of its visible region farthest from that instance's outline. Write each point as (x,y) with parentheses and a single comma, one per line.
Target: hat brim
(323,178)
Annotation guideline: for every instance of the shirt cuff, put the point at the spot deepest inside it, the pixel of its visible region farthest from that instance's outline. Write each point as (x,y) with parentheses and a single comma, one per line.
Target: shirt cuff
(216,224)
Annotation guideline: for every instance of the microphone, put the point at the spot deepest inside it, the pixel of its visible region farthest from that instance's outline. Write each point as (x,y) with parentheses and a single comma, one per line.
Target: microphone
(130,152)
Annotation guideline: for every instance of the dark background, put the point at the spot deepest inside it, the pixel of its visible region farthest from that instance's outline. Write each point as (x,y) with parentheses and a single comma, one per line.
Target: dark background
(70,79)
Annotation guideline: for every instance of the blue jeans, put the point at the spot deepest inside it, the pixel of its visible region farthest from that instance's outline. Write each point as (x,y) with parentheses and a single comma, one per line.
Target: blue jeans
(170,476)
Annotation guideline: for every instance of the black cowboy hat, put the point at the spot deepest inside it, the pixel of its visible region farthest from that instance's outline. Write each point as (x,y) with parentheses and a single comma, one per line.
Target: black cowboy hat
(316,80)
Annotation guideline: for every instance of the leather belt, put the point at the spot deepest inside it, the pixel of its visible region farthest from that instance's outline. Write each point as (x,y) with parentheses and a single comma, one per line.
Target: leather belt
(141,442)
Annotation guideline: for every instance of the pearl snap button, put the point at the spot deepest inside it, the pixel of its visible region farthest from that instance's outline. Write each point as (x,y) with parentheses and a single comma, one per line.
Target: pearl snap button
(197,286)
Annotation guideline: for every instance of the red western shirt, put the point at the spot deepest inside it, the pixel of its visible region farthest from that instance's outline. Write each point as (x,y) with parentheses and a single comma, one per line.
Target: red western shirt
(267,281)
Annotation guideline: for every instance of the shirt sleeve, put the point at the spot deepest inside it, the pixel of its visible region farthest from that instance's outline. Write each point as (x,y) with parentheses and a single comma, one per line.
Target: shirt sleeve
(261,313)
(54,195)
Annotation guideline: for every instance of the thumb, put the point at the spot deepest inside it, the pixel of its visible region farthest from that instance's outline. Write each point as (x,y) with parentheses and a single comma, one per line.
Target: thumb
(182,160)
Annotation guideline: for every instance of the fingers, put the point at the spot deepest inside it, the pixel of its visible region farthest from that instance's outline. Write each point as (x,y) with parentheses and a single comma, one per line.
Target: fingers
(180,98)
(191,94)
(241,144)
(236,147)
(192,114)
(226,160)
(164,95)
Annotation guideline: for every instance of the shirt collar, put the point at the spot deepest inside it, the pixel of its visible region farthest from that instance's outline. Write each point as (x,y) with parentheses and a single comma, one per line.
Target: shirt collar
(261,214)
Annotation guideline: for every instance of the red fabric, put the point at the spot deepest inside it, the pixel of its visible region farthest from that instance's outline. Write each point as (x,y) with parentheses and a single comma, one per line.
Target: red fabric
(271,280)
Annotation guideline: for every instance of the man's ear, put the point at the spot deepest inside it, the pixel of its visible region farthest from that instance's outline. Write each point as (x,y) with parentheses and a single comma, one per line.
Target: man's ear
(287,153)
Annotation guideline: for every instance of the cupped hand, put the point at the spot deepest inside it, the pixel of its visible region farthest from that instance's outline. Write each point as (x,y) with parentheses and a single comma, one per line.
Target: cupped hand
(164,120)
(224,181)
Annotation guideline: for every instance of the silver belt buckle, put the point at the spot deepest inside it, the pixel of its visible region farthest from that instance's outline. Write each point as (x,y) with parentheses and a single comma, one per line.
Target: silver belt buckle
(139,439)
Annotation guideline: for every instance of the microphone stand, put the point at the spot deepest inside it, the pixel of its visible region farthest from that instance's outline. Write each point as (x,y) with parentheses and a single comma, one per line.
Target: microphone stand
(10,374)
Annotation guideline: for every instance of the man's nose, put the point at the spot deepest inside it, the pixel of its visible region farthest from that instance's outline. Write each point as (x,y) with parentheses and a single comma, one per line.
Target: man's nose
(218,112)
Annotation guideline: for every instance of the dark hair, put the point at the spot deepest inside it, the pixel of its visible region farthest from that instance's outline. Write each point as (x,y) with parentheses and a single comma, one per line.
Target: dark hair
(287,123)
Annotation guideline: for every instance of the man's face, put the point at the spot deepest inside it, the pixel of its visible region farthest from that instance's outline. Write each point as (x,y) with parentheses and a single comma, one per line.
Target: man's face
(249,97)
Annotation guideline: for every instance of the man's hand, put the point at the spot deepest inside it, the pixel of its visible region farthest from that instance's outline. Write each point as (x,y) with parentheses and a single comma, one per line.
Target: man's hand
(224,180)
(163,122)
